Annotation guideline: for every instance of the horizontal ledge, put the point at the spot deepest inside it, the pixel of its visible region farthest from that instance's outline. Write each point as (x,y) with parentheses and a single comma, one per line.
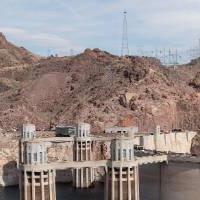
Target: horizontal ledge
(95,164)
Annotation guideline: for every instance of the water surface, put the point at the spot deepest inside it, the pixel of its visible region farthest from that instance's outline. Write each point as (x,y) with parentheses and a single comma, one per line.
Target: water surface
(175,181)
(63,192)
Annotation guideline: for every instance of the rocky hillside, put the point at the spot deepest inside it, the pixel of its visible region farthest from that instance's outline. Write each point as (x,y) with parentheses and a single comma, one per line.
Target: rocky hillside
(101,89)
(11,55)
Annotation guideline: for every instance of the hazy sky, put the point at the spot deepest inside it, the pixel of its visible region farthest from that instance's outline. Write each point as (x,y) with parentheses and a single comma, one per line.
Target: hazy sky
(61,25)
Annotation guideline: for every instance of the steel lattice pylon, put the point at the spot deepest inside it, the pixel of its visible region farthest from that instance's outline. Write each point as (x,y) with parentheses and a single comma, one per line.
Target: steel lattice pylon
(125,48)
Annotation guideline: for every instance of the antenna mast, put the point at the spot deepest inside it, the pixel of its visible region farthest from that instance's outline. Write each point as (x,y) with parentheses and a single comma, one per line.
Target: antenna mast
(125,49)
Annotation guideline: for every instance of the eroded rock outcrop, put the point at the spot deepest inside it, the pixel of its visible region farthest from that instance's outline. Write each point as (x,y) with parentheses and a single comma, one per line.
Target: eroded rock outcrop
(195,149)
(196,82)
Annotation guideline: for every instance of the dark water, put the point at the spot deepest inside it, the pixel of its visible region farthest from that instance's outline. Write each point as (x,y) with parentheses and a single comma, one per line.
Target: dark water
(64,191)
(9,193)
(67,192)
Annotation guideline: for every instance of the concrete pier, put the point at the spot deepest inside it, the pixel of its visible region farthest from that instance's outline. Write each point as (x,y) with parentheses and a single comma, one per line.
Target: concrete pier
(122,180)
(83,177)
(37,185)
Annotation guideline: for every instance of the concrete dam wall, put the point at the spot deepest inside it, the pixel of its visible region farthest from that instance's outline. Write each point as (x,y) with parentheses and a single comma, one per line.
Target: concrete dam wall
(177,142)
(175,181)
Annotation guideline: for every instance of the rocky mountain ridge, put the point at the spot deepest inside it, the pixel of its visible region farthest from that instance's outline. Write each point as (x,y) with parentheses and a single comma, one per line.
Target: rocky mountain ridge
(11,55)
(102,89)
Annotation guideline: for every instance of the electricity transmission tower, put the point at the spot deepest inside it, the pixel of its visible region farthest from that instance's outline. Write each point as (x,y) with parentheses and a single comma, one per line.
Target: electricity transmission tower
(71,52)
(125,49)
(195,51)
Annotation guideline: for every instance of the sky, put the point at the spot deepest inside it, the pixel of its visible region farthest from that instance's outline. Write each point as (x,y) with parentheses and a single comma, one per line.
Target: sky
(56,26)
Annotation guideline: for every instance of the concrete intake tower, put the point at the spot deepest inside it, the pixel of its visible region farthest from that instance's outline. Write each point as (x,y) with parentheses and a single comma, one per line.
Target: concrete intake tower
(37,181)
(82,177)
(122,177)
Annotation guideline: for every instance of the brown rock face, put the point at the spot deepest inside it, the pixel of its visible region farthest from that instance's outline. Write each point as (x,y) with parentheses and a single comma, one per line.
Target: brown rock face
(196,82)
(195,149)
(3,41)
(101,89)
(11,55)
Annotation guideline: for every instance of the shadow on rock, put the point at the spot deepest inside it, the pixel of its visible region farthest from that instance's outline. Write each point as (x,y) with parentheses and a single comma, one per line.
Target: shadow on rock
(10,174)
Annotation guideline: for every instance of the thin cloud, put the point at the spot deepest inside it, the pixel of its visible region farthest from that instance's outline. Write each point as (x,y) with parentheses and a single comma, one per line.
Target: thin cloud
(44,40)
(65,24)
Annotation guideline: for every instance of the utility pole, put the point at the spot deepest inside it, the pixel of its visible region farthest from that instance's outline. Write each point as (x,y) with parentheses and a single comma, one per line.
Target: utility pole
(199,49)
(125,48)
(156,53)
(169,57)
(164,61)
(176,59)
(71,52)
(48,52)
